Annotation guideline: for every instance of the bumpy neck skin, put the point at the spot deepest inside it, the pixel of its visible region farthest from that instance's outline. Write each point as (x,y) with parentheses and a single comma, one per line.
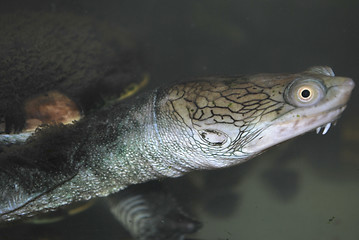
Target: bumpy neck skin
(100,155)
(150,142)
(145,143)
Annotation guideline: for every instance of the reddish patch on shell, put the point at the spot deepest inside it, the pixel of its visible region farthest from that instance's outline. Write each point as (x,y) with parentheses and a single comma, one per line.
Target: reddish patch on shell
(51,107)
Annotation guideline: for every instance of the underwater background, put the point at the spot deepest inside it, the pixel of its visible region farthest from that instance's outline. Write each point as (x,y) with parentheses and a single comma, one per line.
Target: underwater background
(306,188)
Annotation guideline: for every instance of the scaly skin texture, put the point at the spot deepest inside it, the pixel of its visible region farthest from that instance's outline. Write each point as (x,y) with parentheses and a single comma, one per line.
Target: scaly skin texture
(206,123)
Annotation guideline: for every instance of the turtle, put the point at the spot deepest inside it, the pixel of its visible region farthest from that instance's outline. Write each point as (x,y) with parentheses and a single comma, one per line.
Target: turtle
(197,124)
(66,67)
(204,123)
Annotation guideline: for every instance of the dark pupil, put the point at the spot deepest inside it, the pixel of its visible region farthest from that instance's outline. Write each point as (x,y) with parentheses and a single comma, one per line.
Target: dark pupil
(305,93)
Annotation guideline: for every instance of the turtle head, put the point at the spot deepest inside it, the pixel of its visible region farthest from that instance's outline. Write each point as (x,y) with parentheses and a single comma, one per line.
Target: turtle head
(228,120)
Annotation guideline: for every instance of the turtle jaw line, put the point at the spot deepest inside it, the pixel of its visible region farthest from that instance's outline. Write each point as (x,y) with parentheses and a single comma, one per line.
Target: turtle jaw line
(282,130)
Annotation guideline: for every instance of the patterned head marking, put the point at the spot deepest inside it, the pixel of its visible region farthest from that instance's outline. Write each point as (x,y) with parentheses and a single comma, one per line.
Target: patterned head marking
(225,111)
(239,117)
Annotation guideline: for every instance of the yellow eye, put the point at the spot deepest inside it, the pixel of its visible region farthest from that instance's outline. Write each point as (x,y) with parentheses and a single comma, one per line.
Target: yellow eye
(304,92)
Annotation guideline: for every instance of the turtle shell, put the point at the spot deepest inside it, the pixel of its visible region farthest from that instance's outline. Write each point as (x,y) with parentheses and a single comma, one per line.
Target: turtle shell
(60,61)
(55,68)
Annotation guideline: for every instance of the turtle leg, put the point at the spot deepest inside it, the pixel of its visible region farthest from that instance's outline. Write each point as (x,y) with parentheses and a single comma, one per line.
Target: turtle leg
(148,212)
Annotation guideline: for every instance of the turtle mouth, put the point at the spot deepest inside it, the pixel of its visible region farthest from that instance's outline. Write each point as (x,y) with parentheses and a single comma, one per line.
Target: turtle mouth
(335,113)
(284,129)
(323,129)
(319,117)
(326,128)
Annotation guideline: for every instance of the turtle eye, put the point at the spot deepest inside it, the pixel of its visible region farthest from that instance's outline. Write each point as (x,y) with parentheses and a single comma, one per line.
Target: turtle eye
(213,137)
(305,92)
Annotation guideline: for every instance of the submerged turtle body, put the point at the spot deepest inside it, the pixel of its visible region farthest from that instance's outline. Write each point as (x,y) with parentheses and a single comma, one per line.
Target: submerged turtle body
(205,123)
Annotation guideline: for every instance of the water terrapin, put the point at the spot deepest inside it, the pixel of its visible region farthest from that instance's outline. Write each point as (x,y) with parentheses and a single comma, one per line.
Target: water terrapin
(203,123)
